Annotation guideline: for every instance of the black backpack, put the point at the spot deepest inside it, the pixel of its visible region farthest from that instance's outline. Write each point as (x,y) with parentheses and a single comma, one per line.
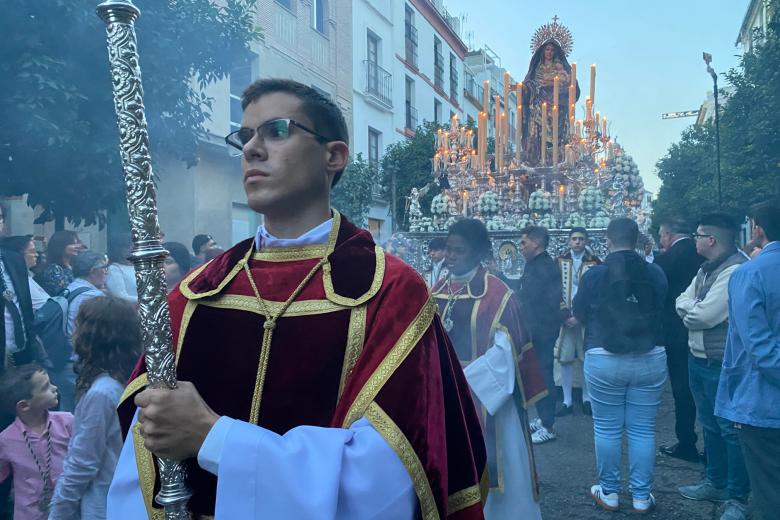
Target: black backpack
(51,322)
(628,313)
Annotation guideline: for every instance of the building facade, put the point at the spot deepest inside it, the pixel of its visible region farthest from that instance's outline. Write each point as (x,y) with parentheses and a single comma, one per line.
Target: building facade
(756,19)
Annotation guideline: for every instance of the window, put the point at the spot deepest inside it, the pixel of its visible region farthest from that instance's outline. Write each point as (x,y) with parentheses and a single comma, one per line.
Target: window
(240,78)
(438,64)
(411,112)
(285,3)
(436,111)
(319,11)
(372,54)
(373,147)
(410,36)
(453,78)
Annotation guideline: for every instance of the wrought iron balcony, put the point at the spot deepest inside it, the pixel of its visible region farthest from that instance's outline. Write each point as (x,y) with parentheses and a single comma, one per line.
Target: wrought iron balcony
(411,117)
(379,84)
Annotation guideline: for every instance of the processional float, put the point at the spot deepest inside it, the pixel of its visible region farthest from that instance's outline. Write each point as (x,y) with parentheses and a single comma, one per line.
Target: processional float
(548,167)
(147,254)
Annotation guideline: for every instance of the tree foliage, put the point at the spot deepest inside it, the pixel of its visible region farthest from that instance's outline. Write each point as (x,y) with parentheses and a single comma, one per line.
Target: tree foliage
(749,141)
(58,133)
(409,163)
(352,196)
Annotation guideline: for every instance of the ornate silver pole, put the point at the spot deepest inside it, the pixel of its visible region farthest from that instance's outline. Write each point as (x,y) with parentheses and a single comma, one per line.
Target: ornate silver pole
(148,254)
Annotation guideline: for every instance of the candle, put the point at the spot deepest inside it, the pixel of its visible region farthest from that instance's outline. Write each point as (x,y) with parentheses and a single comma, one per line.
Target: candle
(544,134)
(574,75)
(519,132)
(604,127)
(561,191)
(465,203)
(578,128)
(567,153)
(555,135)
(598,118)
(506,89)
(588,109)
(497,121)
(556,90)
(572,94)
(592,83)
(485,97)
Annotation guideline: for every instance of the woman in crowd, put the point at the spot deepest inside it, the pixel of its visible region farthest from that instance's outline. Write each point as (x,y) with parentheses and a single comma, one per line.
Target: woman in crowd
(64,245)
(177,264)
(120,281)
(107,341)
(25,246)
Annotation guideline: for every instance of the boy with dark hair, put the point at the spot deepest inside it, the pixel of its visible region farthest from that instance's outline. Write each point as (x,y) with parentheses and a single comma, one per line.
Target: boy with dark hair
(436,253)
(33,447)
(749,386)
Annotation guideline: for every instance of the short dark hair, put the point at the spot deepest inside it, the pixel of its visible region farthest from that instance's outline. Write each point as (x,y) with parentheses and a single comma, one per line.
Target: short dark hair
(16,243)
(180,255)
(726,225)
(16,385)
(537,234)
(325,115)
(767,215)
(578,229)
(437,244)
(55,251)
(677,226)
(475,233)
(623,232)
(199,241)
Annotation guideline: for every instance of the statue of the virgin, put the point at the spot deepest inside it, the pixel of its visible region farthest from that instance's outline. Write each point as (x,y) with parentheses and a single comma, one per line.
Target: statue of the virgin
(551,44)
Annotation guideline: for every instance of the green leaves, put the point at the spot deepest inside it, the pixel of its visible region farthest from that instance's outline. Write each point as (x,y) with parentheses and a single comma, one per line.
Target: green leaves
(58,134)
(749,140)
(353,194)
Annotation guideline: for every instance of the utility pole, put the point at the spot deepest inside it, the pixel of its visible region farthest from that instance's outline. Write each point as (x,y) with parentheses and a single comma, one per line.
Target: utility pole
(708,59)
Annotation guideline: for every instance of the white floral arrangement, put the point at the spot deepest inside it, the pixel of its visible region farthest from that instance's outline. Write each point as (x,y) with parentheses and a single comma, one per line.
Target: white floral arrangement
(548,221)
(424,224)
(440,205)
(591,200)
(601,220)
(525,221)
(540,201)
(495,224)
(488,203)
(450,221)
(625,170)
(574,220)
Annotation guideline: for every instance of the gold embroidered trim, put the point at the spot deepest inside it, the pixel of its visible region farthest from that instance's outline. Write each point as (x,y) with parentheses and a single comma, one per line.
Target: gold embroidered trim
(146,473)
(356,336)
(497,318)
(484,485)
(249,304)
(401,446)
(379,275)
(408,340)
(463,499)
(288,254)
(184,286)
(473,326)
(134,386)
(189,310)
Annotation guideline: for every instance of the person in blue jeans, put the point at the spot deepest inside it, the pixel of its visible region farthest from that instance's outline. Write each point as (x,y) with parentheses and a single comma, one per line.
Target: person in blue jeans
(703,307)
(619,304)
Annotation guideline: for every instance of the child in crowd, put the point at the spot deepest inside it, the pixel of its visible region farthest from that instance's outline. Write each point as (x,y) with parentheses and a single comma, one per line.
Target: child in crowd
(107,340)
(33,447)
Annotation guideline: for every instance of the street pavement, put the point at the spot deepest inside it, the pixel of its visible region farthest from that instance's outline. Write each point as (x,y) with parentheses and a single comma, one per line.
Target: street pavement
(567,469)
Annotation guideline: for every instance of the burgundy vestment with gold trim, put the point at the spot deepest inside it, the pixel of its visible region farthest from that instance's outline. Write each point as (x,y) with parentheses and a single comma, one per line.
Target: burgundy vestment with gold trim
(404,366)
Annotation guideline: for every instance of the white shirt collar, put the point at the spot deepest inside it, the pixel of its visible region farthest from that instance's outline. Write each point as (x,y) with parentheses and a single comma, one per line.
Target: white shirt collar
(681,238)
(316,235)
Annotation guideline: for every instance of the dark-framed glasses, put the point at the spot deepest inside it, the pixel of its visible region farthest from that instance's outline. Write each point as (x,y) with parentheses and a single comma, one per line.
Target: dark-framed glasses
(275,130)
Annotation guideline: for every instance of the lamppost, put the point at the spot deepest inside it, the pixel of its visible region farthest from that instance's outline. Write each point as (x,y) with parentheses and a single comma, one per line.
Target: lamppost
(707,59)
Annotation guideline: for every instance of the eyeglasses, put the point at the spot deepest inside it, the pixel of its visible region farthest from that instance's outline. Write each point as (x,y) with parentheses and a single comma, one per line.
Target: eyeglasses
(275,130)
(104,267)
(698,235)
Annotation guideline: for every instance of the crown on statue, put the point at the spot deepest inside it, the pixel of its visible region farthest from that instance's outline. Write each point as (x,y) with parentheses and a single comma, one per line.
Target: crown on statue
(560,34)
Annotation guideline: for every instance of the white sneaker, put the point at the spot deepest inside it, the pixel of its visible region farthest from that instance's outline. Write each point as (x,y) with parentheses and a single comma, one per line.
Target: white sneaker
(543,435)
(608,501)
(535,425)
(644,506)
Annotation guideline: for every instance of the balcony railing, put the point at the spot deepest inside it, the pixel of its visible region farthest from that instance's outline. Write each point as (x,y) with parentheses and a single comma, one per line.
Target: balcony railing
(410,32)
(379,83)
(411,117)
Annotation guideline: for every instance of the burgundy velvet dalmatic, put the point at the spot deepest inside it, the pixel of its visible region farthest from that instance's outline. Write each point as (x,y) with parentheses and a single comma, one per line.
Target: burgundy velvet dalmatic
(367,311)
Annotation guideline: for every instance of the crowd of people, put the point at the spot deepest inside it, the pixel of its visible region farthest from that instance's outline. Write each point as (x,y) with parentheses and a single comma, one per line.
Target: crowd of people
(384,397)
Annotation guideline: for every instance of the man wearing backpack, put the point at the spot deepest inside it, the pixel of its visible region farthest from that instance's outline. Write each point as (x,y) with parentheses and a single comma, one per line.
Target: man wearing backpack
(90,270)
(619,303)
(703,307)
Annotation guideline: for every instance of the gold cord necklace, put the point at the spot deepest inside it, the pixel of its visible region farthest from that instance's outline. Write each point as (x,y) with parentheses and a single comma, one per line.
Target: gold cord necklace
(447,314)
(268,331)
